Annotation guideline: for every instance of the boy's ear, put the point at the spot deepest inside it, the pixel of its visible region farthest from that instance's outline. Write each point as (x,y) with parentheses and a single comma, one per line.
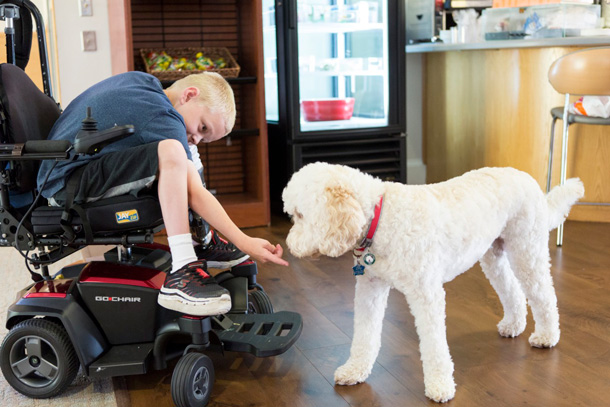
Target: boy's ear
(189,93)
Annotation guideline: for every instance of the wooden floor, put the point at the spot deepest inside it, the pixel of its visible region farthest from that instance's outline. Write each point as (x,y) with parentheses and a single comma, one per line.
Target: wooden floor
(489,370)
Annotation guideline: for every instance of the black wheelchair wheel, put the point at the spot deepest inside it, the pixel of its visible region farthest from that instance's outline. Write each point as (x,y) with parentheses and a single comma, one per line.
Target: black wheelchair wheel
(192,380)
(259,303)
(38,359)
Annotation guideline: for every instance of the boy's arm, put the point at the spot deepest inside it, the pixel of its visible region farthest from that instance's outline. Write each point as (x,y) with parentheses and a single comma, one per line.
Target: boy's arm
(208,207)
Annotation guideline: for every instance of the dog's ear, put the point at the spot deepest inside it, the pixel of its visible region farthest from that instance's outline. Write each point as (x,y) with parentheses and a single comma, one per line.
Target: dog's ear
(344,222)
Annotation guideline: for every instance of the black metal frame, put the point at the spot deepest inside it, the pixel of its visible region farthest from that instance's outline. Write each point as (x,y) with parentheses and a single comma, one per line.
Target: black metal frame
(286,140)
(288,78)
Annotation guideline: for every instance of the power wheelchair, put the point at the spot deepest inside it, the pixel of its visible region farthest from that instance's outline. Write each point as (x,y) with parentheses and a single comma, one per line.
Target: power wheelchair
(103,316)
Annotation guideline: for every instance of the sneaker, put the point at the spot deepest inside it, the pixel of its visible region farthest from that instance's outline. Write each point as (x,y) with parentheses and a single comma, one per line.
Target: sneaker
(220,254)
(191,290)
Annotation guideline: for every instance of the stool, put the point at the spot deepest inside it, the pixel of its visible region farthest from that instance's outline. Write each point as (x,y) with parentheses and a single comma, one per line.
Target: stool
(583,72)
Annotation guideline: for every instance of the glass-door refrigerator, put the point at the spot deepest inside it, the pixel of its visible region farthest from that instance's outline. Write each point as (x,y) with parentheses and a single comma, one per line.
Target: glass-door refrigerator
(335,86)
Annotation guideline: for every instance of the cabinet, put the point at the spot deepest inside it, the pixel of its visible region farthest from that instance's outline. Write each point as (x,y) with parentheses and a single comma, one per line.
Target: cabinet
(337,70)
(236,167)
(498,115)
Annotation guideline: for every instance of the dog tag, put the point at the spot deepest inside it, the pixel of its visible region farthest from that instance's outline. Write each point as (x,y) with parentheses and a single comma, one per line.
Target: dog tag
(358,269)
(368,259)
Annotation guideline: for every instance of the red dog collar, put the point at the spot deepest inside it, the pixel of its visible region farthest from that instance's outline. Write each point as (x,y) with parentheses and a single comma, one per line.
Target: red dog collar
(368,239)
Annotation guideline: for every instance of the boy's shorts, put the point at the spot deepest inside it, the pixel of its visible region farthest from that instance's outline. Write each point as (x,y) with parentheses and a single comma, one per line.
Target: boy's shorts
(131,171)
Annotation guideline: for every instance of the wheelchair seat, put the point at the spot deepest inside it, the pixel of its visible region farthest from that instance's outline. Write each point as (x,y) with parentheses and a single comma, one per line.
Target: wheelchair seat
(107,216)
(27,116)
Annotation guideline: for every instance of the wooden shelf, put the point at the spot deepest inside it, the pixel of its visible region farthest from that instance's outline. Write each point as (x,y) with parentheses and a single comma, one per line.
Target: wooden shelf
(236,167)
(244,132)
(238,80)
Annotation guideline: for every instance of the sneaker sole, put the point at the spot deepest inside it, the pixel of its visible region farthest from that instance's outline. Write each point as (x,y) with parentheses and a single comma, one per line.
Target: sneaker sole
(226,264)
(201,308)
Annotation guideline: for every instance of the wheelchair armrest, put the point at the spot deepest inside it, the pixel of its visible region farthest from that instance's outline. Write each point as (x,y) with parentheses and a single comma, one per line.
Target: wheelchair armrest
(91,142)
(46,146)
(35,150)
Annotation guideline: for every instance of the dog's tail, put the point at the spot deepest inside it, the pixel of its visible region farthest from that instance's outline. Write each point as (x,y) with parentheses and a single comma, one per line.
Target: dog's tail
(561,198)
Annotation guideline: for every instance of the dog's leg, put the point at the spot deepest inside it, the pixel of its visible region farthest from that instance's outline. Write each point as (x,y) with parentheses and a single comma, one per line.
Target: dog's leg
(369,308)
(497,269)
(531,265)
(427,303)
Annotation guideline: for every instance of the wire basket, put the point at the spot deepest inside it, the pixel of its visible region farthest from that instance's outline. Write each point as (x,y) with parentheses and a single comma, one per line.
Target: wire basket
(230,70)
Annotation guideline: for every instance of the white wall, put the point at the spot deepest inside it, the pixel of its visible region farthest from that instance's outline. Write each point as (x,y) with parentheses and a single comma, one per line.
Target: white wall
(78,69)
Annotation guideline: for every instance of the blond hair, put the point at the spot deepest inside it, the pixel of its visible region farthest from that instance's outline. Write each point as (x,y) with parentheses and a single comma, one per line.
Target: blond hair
(214,92)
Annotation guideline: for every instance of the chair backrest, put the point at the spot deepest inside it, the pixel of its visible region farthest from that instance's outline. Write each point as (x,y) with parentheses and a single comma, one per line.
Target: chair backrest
(29,114)
(583,72)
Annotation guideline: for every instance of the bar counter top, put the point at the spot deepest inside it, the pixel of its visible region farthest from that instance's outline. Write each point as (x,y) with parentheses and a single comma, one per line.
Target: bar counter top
(504,44)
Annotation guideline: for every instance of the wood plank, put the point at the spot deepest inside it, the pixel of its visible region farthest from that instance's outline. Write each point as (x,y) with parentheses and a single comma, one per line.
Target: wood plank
(489,369)
(120,30)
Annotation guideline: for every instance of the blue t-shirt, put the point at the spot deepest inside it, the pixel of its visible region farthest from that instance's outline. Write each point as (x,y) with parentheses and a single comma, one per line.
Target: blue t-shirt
(135,98)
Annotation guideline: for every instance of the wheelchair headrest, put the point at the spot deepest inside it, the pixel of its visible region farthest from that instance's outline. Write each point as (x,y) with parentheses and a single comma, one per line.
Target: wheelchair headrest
(27,114)
(23,33)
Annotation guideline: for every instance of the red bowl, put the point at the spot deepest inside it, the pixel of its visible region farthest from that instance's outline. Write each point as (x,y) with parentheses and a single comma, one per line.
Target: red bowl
(327,109)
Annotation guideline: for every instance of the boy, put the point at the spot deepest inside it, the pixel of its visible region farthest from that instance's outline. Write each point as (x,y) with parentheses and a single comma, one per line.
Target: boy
(196,108)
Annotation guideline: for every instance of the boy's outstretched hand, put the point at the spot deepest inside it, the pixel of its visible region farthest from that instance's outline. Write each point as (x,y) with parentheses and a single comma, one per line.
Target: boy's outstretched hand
(263,251)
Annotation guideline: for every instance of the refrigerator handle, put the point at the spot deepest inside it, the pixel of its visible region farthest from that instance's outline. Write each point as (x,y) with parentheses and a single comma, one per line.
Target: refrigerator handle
(290,11)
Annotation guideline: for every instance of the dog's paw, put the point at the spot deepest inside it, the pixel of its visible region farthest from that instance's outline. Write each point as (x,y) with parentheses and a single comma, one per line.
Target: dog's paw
(351,373)
(440,390)
(511,329)
(545,339)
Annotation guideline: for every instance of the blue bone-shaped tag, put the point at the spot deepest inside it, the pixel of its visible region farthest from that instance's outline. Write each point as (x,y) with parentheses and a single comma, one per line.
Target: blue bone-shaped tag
(358,269)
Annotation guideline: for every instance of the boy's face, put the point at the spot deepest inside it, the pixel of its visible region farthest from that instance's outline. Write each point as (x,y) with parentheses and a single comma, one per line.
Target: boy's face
(202,125)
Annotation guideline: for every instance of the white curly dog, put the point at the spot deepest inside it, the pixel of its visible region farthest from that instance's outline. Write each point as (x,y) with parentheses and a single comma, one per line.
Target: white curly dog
(426,236)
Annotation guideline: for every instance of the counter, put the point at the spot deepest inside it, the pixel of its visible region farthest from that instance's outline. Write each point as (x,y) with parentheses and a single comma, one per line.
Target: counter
(489,103)
(593,41)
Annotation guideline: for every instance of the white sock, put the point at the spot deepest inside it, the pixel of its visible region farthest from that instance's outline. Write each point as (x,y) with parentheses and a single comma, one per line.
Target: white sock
(181,247)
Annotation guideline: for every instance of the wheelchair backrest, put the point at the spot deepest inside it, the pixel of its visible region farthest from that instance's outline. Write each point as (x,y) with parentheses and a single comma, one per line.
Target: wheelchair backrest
(26,114)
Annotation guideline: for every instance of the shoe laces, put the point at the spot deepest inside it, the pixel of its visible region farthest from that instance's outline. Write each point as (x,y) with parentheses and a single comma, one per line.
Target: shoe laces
(198,273)
(219,243)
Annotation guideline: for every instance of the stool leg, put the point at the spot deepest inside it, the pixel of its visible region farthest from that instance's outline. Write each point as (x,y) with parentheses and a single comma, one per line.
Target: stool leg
(549,173)
(564,159)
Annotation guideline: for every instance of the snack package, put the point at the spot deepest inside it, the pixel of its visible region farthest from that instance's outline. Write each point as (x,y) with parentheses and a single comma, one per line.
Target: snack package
(150,57)
(160,62)
(178,64)
(202,62)
(594,106)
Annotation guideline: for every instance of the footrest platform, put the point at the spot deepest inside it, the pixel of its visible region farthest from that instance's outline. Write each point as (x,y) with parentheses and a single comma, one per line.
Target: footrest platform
(261,335)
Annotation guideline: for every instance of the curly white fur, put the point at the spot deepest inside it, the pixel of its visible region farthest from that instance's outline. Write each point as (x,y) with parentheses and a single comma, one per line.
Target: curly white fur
(427,235)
